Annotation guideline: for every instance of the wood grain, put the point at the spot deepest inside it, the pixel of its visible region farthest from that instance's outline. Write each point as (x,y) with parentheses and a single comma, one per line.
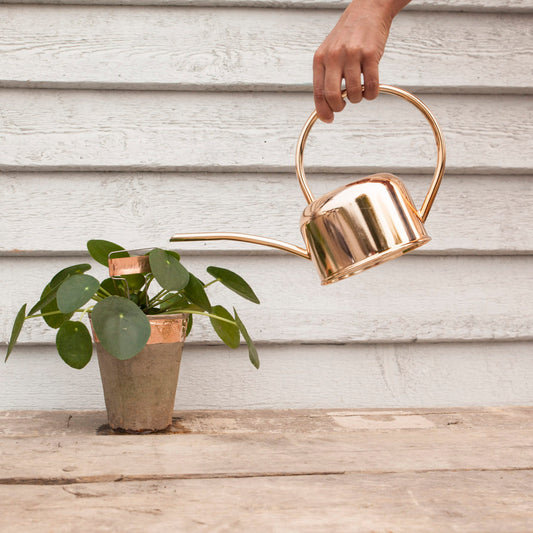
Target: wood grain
(67,130)
(468,502)
(522,6)
(133,119)
(433,446)
(291,376)
(236,49)
(141,209)
(468,470)
(409,299)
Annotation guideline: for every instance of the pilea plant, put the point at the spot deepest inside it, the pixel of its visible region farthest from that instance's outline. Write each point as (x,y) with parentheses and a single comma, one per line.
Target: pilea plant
(118,306)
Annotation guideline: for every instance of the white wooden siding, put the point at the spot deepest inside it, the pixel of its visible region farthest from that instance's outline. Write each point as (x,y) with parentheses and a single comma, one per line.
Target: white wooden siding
(437,5)
(474,214)
(411,299)
(132,122)
(137,130)
(203,49)
(299,376)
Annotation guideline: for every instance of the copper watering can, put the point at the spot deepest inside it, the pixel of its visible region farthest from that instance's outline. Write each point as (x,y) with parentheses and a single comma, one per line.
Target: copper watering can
(359,225)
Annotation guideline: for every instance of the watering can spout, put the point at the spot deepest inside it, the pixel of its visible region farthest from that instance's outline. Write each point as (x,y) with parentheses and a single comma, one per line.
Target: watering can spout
(242,237)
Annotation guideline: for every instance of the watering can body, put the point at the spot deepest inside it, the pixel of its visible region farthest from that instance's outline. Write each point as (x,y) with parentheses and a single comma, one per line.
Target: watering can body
(356,226)
(361,225)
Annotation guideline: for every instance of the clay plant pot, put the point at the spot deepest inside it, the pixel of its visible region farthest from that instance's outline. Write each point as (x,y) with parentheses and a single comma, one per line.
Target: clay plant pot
(140,392)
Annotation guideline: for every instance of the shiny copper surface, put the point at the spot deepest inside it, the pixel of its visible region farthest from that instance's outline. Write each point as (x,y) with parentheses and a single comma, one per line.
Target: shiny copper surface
(121,266)
(439,139)
(242,237)
(359,225)
(166,329)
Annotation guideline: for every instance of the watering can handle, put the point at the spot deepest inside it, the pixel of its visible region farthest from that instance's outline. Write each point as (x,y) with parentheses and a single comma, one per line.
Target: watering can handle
(441,149)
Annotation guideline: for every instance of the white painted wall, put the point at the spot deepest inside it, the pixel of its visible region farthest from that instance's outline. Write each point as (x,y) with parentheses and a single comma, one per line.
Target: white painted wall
(131,120)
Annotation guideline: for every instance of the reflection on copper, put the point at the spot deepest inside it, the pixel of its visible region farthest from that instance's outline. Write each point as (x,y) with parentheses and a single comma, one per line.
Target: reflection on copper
(121,266)
(165,329)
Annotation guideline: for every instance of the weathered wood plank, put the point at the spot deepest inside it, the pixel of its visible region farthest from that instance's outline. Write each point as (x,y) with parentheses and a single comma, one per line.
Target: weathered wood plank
(339,443)
(40,424)
(167,48)
(411,470)
(296,376)
(523,6)
(157,205)
(440,502)
(50,130)
(413,298)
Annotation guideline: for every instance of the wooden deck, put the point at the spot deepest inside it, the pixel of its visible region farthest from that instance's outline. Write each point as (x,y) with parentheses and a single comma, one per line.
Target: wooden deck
(382,471)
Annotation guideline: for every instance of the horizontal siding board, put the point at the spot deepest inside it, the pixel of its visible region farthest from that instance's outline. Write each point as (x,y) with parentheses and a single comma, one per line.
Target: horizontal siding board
(51,129)
(202,49)
(291,377)
(471,215)
(436,5)
(409,299)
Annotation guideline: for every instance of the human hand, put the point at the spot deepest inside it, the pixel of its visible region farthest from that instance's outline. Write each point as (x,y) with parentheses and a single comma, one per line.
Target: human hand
(354,47)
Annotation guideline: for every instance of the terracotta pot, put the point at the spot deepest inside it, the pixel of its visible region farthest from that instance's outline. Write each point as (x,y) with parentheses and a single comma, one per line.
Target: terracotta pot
(140,392)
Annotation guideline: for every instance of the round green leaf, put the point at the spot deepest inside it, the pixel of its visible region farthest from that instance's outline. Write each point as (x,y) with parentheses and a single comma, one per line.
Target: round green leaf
(51,314)
(252,351)
(196,294)
(135,281)
(121,327)
(115,287)
(100,250)
(175,254)
(74,344)
(229,333)
(168,271)
(75,292)
(61,276)
(50,291)
(234,282)
(17,327)
(47,296)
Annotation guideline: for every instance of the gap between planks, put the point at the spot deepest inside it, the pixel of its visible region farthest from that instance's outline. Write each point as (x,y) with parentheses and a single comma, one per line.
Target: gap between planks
(242,475)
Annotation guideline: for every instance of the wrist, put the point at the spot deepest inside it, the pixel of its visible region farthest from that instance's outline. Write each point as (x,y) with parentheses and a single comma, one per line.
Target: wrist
(386,9)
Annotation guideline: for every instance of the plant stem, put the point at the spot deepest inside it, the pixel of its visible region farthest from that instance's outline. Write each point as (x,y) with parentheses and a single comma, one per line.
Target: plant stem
(85,311)
(146,287)
(160,293)
(157,298)
(58,313)
(210,283)
(101,289)
(167,297)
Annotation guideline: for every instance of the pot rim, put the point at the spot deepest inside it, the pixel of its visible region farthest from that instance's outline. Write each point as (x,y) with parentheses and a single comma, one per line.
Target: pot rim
(165,328)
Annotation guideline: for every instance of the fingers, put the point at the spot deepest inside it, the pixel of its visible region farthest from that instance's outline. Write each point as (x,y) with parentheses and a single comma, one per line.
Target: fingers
(328,73)
(371,78)
(327,82)
(352,75)
(327,88)
(323,110)
(333,89)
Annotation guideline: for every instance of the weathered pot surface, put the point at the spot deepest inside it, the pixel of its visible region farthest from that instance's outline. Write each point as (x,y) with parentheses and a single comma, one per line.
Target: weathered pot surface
(140,392)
